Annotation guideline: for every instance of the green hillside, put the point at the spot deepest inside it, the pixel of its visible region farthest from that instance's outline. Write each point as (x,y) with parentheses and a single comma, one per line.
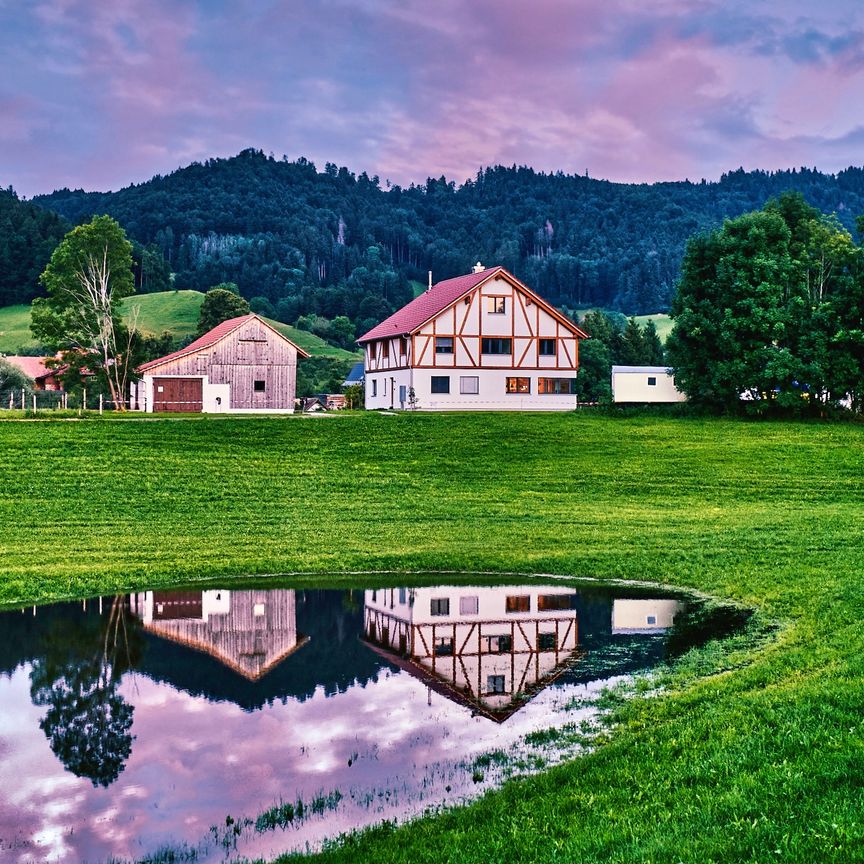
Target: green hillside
(662,322)
(172,311)
(15,335)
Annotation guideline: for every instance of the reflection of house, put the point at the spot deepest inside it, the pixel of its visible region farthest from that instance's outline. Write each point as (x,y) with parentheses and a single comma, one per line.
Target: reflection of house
(643,616)
(250,631)
(241,365)
(487,647)
(644,384)
(477,342)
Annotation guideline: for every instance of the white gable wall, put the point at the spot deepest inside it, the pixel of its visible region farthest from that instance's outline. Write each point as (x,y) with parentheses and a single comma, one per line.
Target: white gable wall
(450,347)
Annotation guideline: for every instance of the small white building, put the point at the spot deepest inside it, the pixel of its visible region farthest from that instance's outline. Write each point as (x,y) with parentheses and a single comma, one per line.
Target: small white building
(643,616)
(645,384)
(483,342)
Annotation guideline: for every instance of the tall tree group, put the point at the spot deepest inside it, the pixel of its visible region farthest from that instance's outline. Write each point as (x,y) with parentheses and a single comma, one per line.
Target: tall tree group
(770,313)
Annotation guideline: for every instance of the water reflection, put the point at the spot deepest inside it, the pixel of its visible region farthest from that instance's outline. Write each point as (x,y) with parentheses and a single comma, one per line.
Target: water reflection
(490,648)
(166,711)
(248,631)
(87,720)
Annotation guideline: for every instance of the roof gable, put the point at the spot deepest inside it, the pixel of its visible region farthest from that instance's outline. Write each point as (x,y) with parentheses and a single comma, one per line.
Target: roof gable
(217,334)
(442,295)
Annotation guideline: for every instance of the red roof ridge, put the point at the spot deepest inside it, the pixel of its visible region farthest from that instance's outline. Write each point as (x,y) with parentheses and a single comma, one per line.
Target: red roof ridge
(211,337)
(436,299)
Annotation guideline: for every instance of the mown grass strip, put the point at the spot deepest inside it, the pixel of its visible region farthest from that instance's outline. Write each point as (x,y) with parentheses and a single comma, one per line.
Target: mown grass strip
(761,759)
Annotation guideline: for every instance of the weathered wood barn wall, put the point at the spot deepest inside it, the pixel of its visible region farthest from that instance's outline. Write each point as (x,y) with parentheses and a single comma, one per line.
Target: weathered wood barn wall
(242,365)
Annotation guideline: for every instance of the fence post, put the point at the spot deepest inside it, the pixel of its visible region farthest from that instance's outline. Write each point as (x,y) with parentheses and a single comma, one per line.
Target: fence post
(100,404)
(34,403)
(84,399)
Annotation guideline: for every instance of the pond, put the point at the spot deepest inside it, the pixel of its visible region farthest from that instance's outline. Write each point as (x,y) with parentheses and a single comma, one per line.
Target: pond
(248,722)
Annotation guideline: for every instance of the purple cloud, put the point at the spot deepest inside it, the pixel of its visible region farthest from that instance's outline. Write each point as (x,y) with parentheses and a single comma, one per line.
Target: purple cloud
(100,95)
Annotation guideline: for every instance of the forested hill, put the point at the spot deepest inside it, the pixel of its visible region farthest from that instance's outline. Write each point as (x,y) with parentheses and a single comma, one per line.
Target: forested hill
(332,243)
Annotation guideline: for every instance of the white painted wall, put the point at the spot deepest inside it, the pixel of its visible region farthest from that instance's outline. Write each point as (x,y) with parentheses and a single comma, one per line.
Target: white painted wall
(631,384)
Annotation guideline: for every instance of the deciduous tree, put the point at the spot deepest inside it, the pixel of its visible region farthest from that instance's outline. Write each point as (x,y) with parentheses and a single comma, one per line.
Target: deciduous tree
(88,275)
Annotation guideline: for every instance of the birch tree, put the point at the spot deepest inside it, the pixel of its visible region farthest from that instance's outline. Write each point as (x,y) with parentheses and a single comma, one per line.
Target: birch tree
(88,276)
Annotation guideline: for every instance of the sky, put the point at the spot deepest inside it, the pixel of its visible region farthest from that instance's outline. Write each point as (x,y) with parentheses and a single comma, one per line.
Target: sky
(99,94)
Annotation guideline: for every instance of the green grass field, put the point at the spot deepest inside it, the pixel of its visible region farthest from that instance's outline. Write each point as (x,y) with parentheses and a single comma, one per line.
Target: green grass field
(173,311)
(747,755)
(15,329)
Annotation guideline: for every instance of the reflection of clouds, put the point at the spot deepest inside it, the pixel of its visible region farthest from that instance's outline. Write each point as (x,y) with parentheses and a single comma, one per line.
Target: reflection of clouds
(187,773)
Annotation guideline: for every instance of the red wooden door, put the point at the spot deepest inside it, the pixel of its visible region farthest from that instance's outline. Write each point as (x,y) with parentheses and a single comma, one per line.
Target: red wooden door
(179,395)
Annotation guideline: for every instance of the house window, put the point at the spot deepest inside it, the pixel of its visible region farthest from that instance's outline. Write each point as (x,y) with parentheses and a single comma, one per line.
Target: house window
(494,345)
(258,386)
(651,619)
(469,605)
(439,606)
(556,602)
(496,305)
(403,596)
(403,345)
(547,641)
(443,646)
(548,347)
(518,603)
(652,382)
(469,385)
(374,387)
(550,386)
(440,383)
(495,684)
(385,349)
(518,385)
(443,344)
(499,644)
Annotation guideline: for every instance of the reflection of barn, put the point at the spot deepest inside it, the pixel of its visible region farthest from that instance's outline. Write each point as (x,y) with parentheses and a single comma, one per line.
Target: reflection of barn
(490,648)
(249,631)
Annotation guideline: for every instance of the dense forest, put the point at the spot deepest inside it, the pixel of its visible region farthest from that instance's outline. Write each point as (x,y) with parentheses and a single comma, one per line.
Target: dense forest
(303,242)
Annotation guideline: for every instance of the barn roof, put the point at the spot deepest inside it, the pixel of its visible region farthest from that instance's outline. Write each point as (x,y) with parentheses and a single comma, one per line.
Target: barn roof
(211,337)
(32,367)
(440,296)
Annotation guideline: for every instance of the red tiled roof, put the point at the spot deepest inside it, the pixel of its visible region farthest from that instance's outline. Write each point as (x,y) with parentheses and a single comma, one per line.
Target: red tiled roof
(437,298)
(211,337)
(428,305)
(32,367)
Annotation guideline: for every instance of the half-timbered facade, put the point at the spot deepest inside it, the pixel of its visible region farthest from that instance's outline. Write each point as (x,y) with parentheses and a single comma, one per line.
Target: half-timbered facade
(490,648)
(483,341)
(241,365)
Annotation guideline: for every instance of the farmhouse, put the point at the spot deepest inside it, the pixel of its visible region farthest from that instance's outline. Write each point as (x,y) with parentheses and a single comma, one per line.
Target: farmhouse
(44,378)
(483,341)
(644,384)
(241,365)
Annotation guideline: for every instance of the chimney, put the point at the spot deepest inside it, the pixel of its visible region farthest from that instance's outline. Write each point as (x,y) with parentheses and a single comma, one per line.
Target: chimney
(478,267)
(430,281)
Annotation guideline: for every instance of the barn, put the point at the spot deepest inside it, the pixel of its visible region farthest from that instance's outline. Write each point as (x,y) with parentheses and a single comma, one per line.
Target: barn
(242,365)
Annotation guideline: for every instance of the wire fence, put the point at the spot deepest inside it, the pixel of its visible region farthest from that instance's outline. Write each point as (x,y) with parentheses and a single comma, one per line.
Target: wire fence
(19,399)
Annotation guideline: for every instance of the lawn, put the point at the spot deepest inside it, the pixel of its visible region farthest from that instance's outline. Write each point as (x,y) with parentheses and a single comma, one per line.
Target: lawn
(758,757)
